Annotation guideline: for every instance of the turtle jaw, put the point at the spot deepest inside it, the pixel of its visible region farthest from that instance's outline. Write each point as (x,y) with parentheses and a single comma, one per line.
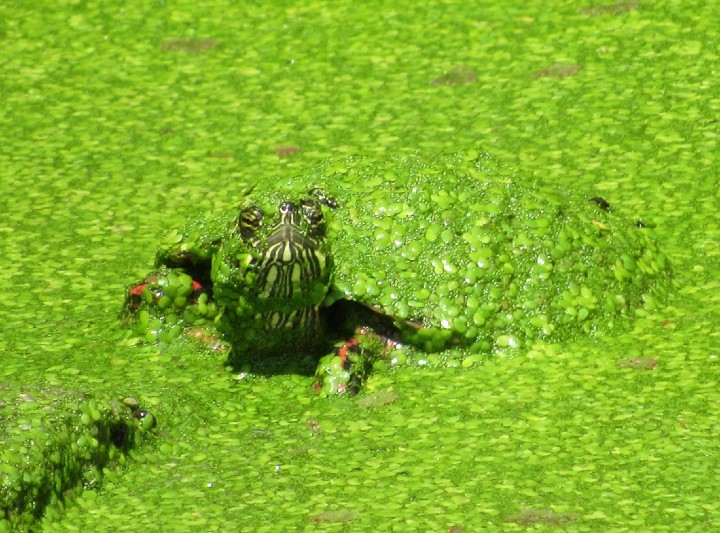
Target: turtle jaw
(305,319)
(290,263)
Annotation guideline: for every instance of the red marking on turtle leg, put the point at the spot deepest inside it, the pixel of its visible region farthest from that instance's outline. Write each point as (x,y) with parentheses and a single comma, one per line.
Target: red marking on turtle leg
(349,345)
(136,290)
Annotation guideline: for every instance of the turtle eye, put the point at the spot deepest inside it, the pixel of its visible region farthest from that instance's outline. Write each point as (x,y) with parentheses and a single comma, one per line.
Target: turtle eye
(313,214)
(286,208)
(249,221)
(323,197)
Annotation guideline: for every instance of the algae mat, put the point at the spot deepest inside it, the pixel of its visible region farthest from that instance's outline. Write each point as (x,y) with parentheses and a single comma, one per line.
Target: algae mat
(118,119)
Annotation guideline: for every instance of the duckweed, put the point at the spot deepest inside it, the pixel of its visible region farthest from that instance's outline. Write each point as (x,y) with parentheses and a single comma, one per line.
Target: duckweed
(114,133)
(54,441)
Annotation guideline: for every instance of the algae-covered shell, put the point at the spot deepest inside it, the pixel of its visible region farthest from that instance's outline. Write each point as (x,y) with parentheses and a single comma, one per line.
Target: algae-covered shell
(459,251)
(456,250)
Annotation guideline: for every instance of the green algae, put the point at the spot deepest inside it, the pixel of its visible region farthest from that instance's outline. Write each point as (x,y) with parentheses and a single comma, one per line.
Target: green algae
(111,139)
(55,443)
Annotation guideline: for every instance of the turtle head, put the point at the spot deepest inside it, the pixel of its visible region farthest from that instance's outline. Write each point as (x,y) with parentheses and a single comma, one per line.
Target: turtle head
(289,255)
(277,271)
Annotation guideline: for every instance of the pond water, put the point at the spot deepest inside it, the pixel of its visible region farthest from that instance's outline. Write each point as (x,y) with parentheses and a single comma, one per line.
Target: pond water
(119,119)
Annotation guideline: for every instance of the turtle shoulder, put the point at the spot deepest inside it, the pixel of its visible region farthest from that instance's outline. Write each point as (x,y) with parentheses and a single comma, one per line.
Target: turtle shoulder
(195,243)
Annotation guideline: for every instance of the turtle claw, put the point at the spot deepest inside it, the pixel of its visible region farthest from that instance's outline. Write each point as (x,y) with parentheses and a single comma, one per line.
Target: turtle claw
(331,377)
(345,370)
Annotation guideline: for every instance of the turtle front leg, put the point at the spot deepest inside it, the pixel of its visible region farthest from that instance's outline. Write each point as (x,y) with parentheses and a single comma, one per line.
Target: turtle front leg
(167,302)
(345,370)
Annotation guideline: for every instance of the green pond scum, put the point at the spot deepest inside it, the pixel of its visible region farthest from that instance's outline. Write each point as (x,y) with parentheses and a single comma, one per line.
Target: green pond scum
(448,252)
(56,443)
(581,397)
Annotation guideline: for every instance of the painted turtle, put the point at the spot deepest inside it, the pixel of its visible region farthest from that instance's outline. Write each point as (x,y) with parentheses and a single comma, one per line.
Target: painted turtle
(453,255)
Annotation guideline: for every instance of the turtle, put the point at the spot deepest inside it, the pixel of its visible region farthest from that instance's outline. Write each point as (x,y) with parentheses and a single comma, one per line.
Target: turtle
(365,258)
